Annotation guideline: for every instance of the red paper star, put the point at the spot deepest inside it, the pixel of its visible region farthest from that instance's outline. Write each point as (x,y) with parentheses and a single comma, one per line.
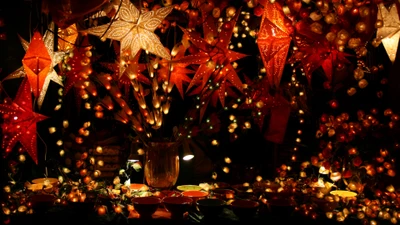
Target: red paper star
(20,122)
(214,59)
(317,52)
(175,73)
(273,42)
(79,70)
(36,63)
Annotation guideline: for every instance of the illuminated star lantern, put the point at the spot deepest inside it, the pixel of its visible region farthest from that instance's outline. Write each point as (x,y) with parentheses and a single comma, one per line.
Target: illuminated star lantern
(67,37)
(43,79)
(175,73)
(20,122)
(135,31)
(36,63)
(389,33)
(317,52)
(214,59)
(273,42)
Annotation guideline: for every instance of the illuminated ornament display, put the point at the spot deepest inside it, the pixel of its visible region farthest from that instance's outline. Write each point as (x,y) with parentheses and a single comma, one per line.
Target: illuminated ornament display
(67,37)
(274,41)
(389,33)
(135,30)
(215,61)
(20,122)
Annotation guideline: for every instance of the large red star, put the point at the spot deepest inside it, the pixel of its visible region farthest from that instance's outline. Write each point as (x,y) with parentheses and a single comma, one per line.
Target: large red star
(20,122)
(214,59)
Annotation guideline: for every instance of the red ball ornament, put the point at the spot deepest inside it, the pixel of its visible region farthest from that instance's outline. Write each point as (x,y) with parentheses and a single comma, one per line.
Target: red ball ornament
(322,128)
(334,104)
(324,118)
(341,137)
(304,13)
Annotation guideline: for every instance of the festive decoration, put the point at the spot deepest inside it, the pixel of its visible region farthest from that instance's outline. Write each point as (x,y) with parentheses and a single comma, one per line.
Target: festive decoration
(317,52)
(80,70)
(67,37)
(176,73)
(274,41)
(20,122)
(215,61)
(389,32)
(37,63)
(135,30)
(43,81)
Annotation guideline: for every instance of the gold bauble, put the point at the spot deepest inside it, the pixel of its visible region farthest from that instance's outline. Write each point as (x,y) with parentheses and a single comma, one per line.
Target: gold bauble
(230,11)
(330,36)
(358,73)
(343,34)
(364,11)
(354,43)
(361,27)
(351,91)
(316,28)
(379,23)
(331,18)
(363,83)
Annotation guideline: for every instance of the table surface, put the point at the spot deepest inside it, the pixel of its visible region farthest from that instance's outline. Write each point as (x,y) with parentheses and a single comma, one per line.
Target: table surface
(57,215)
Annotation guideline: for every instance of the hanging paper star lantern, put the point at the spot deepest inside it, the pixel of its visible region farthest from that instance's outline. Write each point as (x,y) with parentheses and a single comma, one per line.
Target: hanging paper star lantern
(215,60)
(80,67)
(67,37)
(317,52)
(135,30)
(389,33)
(132,70)
(20,122)
(175,73)
(55,57)
(36,63)
(273,42)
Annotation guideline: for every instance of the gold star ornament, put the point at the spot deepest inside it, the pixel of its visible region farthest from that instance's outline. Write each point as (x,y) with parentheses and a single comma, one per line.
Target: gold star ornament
(389,33)
(135,30)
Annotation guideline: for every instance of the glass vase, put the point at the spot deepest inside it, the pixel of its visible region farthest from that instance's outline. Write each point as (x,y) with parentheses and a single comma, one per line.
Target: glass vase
(161,167)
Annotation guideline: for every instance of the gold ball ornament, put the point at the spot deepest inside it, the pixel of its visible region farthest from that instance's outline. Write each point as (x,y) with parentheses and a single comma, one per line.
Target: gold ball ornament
(363,83)
(358,73)
(354,43)
(361,27)
(331,36)
(379,23)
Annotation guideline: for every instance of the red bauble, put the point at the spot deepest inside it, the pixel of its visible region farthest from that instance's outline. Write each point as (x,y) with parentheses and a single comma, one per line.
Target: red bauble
(334,104)
(324,118)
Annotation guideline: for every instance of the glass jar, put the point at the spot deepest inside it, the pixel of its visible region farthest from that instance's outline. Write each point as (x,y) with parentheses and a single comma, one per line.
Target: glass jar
(161,166)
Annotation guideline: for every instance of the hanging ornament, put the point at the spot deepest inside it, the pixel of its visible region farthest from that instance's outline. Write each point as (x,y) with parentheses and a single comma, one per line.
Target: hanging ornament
(20,122)
(389,33)
(176,73)
(42,82)
(273,41)
(215,60)
(135,31)
(36,63)
(67,37)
